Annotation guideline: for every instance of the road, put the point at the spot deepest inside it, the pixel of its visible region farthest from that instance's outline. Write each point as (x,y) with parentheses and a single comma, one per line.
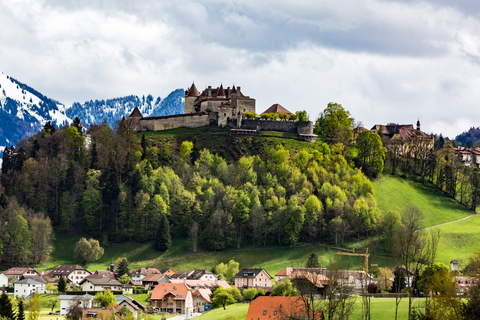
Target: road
(183,317)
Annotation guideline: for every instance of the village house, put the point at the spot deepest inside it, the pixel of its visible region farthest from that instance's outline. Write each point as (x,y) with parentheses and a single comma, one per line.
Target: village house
(66,300)
(3,280)
(249,278)
(100,283)
(290,272)
(205,284)
(17,273)
(357,280)
(181,274)
(138,275)
(27,287)
(269,308)
(100,313)
(152,280)
(105,273)
(201,300)
(409,274)
(470,157)
(464,283)
(74,273)
(134,306)
(172,297)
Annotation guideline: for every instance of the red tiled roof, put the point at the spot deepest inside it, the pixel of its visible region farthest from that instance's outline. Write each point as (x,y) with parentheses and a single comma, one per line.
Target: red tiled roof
(64,270)
(268,308)
(204,293)
(18,271)
(179,290)
(192,92)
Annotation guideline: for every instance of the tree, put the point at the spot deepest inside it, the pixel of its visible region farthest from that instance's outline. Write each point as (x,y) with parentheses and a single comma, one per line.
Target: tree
(227,271)
(122,267)
(34,306)
(385,276)
(105,298)
(445,302)
(221,297)
(430,273)
(88,250)
(312,261)
(51,288)
(62,284)
(371,153)
(284,288)
(399,281)
(21,311)
(250,294)
(74,311)
(125,279)
(163,240)
(333,118)
(52,303)
(6,308)
(293,221)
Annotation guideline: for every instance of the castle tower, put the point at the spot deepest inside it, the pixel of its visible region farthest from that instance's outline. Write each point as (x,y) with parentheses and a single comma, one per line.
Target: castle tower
(190,96)
(418,124)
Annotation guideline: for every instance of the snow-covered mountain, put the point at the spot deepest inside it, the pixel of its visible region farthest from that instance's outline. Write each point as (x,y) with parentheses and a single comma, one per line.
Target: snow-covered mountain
(112,110)
(24,111)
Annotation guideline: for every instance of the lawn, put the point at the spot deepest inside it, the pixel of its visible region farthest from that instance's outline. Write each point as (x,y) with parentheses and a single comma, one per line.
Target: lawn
(381,309)
(395,193)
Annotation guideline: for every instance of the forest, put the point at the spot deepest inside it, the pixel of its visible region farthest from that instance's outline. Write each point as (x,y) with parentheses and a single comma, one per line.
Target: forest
(116,185)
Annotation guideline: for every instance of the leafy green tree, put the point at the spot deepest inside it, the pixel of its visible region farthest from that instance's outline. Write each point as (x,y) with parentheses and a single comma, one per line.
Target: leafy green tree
(34,307)
(185,151)
(236,294)
(125,279)
(88,250)
(284,288)
(385,277)
(6,308)
(52,303)
(41,233)
(163,240)
(312,261)
(334,117)
(250,294)
(51,287)
(429,274)
(371,153)
(105,298)
(74,311)
(21,239)
(293,221)
(62,284)
(313,212)
(122,267)
(227,271)
(221,297)
(92,201)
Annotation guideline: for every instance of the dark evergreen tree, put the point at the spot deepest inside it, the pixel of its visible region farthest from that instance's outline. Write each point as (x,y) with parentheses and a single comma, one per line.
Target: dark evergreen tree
(111,189)
(399,281)
(62,284)
(163,240)
(20,311)
(78,124)
(123,268)
(312,261)
(6,308)
(144,146)
(94,157)
(49,128)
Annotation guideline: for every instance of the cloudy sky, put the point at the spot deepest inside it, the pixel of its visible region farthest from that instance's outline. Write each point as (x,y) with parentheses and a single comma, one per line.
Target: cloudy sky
(384,61)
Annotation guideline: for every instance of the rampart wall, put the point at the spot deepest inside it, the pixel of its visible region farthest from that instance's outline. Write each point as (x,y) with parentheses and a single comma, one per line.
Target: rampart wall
(300,127)
(190,120)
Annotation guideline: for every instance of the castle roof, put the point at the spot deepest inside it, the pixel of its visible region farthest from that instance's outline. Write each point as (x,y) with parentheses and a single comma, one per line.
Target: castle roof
(221,92)
(276,108)
(192,92)
(136,113)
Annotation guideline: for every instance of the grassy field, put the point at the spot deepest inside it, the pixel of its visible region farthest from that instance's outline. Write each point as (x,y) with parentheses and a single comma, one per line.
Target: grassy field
(394,193)
(381,309)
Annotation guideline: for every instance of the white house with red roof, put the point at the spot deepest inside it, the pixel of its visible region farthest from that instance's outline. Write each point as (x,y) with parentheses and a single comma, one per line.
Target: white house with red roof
(74,273)
(17,273)
(248,278)
(172,297)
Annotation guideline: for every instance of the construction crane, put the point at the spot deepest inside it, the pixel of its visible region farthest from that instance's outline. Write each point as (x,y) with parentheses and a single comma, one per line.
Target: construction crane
(366,255)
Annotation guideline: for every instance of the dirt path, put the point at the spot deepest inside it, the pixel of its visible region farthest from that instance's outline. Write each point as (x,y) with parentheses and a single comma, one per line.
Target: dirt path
(442,224)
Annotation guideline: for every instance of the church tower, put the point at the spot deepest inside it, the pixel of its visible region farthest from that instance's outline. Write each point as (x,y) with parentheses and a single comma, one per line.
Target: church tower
(191,96)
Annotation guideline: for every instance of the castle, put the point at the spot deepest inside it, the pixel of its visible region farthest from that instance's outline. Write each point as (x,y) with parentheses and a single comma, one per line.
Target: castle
(221,107)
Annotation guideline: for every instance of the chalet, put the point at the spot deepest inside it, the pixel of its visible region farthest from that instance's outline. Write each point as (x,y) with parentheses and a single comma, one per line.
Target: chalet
(248,278)
(17,273)
(269,308)
(470,157)
(27,287)
(201,300)
(66,300)
(172,297)
(74,273)
(202,284)
(152,280)
(138,275)
(357,280)
(134,306)
(100,283)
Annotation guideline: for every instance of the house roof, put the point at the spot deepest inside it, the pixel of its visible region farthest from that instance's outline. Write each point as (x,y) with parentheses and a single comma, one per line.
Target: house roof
(345,274)
(192,92)
(198,273)
(181,274)
(179,290)
(136,113)
(18,271)
(277,108)
(288,271)
(133,303)
(268,308)
(202,283)
(204,293)
(145,271)
(154,277)
(75,297)
(168,271)
(105,273)
(34,277)
(28,280)
(64,270)
(99,280)
(251,273)
(404,269)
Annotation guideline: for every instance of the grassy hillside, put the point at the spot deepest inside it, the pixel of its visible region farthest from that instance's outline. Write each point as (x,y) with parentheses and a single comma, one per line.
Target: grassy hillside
(394,193)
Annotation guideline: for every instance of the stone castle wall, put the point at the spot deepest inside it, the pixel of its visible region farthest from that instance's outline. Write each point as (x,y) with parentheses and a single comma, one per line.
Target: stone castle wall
(191,120)
(300,127)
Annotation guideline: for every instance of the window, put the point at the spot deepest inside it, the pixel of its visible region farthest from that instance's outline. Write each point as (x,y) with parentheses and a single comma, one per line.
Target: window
(264,312)
(274,313)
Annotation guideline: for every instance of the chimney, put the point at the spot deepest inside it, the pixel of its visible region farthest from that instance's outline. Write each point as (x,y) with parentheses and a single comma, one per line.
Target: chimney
(209,92)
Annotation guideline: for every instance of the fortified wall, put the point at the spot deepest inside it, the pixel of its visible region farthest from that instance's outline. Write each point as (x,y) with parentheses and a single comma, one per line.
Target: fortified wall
(190,120)
(290,126)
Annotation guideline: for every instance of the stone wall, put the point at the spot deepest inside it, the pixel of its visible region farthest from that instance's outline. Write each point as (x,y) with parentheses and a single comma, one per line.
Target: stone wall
(191,120)
(301,127)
